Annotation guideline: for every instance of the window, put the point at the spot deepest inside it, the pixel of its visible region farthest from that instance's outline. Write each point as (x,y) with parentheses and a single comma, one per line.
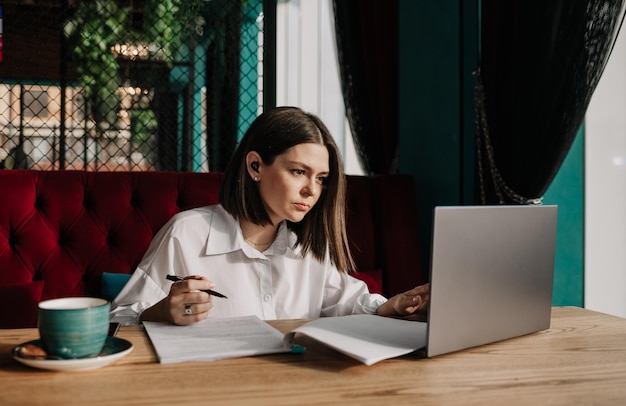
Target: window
(35,103)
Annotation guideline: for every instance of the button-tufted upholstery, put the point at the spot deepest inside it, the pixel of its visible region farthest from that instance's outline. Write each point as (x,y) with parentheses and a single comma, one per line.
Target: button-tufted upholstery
(66,228)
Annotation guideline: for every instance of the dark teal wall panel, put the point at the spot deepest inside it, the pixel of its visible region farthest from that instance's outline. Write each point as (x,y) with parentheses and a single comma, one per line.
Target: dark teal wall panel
(436,103)
(567,191)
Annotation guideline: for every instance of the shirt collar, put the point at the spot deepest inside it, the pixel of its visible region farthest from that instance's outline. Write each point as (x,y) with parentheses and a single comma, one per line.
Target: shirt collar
(225,236)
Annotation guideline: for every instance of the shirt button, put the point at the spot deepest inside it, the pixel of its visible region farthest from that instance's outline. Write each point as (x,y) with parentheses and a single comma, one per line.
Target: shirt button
(267,298)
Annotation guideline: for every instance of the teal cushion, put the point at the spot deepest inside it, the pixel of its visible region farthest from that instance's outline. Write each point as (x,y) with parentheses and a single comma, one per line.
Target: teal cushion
(112,284)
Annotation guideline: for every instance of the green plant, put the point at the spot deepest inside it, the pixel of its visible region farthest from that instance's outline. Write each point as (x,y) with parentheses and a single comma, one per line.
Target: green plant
(92,29)
(98,27)
(143,124)
(168,23)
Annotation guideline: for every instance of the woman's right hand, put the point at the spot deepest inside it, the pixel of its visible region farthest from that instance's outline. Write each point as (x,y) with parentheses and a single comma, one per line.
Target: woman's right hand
(185,304)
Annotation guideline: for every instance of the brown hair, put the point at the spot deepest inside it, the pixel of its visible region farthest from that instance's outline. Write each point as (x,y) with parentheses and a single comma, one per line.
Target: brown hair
(271,134)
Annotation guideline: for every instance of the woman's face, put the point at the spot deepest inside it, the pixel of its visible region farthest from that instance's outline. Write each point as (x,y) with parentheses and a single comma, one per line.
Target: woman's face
(292,185)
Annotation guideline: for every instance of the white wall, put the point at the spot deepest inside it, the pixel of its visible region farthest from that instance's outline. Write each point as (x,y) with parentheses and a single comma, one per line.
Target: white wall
(307,73)
(605,188)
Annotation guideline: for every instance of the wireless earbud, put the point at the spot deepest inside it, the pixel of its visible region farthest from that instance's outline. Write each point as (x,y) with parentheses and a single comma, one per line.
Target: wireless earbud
(255,166)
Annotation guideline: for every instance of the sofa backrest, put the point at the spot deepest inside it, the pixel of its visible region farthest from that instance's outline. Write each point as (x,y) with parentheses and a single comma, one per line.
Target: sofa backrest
(66,228)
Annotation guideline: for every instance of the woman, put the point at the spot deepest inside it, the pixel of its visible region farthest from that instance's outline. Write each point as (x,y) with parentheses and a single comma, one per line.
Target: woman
(276,245)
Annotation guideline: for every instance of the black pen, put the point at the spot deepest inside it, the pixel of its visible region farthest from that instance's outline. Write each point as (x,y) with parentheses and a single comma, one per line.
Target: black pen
(209,291)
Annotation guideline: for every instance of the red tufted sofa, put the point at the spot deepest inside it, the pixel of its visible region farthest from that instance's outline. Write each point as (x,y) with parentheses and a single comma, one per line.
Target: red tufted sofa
(60,231)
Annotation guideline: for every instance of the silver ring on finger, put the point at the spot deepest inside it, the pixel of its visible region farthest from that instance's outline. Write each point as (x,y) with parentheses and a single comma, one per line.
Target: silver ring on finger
(188,309)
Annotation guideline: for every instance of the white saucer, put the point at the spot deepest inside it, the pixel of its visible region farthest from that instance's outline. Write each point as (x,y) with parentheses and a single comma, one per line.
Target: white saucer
(114,349)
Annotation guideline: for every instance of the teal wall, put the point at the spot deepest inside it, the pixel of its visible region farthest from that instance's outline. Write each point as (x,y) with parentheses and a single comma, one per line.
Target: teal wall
(438,55)
(567,191)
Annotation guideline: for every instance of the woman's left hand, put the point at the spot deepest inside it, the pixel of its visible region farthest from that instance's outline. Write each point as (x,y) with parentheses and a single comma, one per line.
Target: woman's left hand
(407,303)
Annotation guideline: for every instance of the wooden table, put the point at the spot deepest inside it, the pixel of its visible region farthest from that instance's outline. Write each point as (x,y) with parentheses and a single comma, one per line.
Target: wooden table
(581,359)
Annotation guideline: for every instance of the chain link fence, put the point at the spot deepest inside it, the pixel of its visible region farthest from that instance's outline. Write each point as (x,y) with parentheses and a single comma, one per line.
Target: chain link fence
(128,85)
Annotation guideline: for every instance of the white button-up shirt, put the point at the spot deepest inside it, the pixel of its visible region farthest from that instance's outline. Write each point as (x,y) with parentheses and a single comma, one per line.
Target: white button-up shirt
(278,283)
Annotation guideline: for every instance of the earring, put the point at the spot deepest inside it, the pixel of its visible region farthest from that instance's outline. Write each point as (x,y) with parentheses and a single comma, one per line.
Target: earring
(256,179)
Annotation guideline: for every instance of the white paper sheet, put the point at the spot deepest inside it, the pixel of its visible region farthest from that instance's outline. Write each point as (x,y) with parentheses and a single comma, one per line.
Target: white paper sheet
(214,338)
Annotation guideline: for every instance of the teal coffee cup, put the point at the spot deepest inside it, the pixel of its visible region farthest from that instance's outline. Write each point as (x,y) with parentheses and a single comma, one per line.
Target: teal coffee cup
(73,327)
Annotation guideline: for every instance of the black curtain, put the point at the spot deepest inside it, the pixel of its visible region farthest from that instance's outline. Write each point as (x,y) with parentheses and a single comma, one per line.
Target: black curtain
(540,63)
(367,43)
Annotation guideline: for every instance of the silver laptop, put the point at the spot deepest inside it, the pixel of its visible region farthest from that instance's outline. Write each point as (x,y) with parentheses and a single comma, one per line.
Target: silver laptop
(491,275)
